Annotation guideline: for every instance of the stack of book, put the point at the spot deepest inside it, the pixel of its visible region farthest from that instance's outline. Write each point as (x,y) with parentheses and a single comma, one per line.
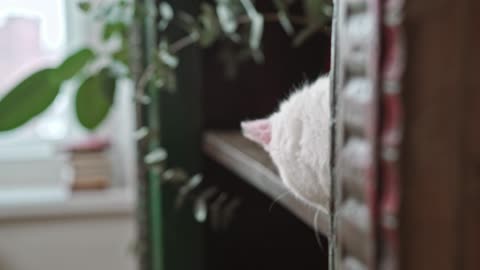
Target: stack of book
(91,165)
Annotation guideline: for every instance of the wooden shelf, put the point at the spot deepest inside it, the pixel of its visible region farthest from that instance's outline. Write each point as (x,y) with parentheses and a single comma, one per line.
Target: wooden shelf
(253,164)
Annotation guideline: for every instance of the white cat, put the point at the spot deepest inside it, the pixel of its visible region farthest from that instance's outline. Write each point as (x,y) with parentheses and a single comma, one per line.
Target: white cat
(297,137)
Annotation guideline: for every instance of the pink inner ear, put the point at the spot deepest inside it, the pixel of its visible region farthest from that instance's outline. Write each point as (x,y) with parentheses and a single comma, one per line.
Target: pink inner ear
(259,131)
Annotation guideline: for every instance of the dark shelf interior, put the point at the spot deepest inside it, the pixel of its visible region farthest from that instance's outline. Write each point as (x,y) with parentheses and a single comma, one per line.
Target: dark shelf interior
(261,236)
(252,163)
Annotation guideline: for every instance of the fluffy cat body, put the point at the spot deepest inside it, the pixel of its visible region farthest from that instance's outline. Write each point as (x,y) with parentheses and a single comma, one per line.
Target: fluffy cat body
(297,137)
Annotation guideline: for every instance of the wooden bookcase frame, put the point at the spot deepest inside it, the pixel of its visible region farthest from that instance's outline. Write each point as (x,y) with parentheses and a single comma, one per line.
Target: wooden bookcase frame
(405,98)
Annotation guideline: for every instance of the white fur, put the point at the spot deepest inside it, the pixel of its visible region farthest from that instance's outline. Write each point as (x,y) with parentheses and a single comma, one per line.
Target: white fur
(300,142)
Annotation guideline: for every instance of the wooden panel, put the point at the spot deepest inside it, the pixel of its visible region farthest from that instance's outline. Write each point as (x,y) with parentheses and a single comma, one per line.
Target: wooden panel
(253,164)
(356,159)
(470,232)
(439,216)
(356,78)
(355,230)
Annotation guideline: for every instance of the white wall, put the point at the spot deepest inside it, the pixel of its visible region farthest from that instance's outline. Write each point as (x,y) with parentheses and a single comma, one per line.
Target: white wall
(68,243)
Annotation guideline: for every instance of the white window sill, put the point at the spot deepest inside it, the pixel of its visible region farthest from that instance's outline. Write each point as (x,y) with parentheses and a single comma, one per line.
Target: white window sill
(115,201)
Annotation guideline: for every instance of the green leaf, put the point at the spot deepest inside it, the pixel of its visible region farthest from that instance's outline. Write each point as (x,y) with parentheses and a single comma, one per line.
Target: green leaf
(226,17)
(165,58)
(28,99)
(85,6)
(256,32)
(166,15)
(94,99)
(141,133)
(315,11)
(164,76)
(112,28)
(124,3)
(122,55)
(140,11)
(283,16)
(210,26)
(256,27)
(74,63)
(318,14)
(156,156)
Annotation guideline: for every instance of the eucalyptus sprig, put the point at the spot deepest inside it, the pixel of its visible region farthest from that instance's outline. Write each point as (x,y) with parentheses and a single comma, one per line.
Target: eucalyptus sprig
(234,21)
(225,21)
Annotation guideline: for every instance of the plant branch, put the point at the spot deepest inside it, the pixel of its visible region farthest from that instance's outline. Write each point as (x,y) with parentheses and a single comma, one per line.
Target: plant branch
(144,79)
(191,39)
(150,69)
(182,43)
(273,17)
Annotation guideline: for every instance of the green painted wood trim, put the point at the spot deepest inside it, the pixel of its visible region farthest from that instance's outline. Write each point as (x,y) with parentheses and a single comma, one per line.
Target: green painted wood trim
(174,240)
(154,201)
(181,122)
(156,224)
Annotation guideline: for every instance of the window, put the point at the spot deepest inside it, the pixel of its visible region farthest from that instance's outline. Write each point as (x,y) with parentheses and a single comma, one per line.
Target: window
(36,34)
(33,34)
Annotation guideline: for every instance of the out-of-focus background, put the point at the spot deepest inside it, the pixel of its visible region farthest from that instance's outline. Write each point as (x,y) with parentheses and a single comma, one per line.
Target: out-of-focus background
(67,196)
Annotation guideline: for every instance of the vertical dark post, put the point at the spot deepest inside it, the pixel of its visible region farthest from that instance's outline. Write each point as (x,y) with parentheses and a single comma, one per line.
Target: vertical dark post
(180,118)
(439,214)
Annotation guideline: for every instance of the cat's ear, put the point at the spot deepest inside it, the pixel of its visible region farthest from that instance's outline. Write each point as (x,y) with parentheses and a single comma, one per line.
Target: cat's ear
(259,131)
